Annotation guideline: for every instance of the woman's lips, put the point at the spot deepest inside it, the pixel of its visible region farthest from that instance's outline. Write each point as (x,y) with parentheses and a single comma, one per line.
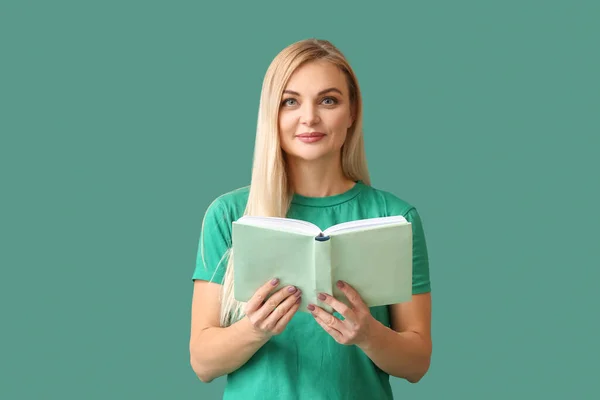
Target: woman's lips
(311,137)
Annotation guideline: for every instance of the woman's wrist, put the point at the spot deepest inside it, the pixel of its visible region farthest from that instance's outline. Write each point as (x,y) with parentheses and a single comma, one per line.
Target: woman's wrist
(373,333)
(245,327)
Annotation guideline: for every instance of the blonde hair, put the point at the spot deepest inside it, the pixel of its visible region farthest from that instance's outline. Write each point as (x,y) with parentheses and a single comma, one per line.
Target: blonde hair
(270,192)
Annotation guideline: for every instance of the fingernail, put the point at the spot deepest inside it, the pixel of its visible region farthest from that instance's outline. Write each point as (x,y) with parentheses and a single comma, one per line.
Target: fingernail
(340,284)
(299,300)
(291,289)
(298,293)
(321,296)
(274,281)
(311,307)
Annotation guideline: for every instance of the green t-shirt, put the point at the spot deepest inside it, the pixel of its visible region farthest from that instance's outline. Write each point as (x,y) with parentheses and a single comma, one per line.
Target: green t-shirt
(304,361)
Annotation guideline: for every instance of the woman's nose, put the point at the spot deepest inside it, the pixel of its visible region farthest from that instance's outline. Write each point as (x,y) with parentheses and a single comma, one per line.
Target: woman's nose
(309,116)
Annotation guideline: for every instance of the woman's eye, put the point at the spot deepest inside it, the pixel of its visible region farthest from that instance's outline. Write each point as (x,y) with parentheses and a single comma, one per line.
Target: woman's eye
(328,101)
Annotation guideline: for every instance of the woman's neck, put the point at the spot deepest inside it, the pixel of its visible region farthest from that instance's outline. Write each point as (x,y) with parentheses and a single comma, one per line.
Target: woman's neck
(318,178)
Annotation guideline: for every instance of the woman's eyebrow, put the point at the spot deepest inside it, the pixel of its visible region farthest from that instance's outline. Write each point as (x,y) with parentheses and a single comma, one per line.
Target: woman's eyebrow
(318,94)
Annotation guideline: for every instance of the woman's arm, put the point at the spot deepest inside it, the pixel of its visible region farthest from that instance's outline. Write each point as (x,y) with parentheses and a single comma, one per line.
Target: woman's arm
(216,351)
(405,350)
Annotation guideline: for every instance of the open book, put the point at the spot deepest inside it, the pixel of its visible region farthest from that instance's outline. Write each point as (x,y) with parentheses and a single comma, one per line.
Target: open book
(372,255)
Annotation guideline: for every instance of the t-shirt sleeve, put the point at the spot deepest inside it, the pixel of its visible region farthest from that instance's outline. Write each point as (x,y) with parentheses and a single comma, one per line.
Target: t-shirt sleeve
(421,281)
(213,245)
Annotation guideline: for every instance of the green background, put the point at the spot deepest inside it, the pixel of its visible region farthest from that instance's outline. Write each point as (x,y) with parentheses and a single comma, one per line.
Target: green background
(122,120)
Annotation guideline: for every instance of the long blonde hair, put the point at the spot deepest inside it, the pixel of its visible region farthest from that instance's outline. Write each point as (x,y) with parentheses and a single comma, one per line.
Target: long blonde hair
(270,192)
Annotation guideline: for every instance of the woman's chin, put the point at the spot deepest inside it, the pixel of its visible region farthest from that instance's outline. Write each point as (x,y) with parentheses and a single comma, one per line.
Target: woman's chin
(311,155)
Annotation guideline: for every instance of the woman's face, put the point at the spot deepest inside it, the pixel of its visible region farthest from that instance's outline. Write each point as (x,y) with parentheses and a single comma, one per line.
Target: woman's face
(315,112)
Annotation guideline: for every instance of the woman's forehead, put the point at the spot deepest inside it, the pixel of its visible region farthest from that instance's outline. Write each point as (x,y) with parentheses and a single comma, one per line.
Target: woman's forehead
(314,77)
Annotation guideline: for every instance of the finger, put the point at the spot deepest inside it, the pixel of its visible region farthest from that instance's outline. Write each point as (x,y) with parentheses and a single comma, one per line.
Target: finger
(283,310)
(274,301)
(337,335)
(351,294)
(260,295)
(348,314)
(327,319)
(283,321)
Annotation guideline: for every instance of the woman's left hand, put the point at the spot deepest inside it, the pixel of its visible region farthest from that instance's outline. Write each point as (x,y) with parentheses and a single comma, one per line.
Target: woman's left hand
(357,323)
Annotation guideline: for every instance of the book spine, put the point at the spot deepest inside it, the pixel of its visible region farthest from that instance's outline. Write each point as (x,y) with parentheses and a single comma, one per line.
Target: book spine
(323,280)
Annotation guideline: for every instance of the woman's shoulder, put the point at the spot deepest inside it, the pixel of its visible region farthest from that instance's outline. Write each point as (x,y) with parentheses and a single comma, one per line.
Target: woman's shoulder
(231,204)
(392,203)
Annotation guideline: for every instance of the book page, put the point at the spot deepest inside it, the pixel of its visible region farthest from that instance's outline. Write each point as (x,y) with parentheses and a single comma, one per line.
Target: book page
(284,224)
(365,223)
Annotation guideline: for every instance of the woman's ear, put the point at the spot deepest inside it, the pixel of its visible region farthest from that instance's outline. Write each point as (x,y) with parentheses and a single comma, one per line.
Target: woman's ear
(352,117)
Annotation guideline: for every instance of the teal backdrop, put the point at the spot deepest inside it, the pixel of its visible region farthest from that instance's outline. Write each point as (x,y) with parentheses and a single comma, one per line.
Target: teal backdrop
(121,121)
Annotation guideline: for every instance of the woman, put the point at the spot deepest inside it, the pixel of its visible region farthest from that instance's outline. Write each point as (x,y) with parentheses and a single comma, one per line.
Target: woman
(309,163)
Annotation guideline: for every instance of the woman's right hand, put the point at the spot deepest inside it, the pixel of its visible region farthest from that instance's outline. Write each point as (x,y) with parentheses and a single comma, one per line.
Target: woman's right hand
(269,315)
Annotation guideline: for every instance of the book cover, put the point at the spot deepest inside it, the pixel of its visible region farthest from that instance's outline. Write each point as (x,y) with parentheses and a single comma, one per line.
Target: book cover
(372,255)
